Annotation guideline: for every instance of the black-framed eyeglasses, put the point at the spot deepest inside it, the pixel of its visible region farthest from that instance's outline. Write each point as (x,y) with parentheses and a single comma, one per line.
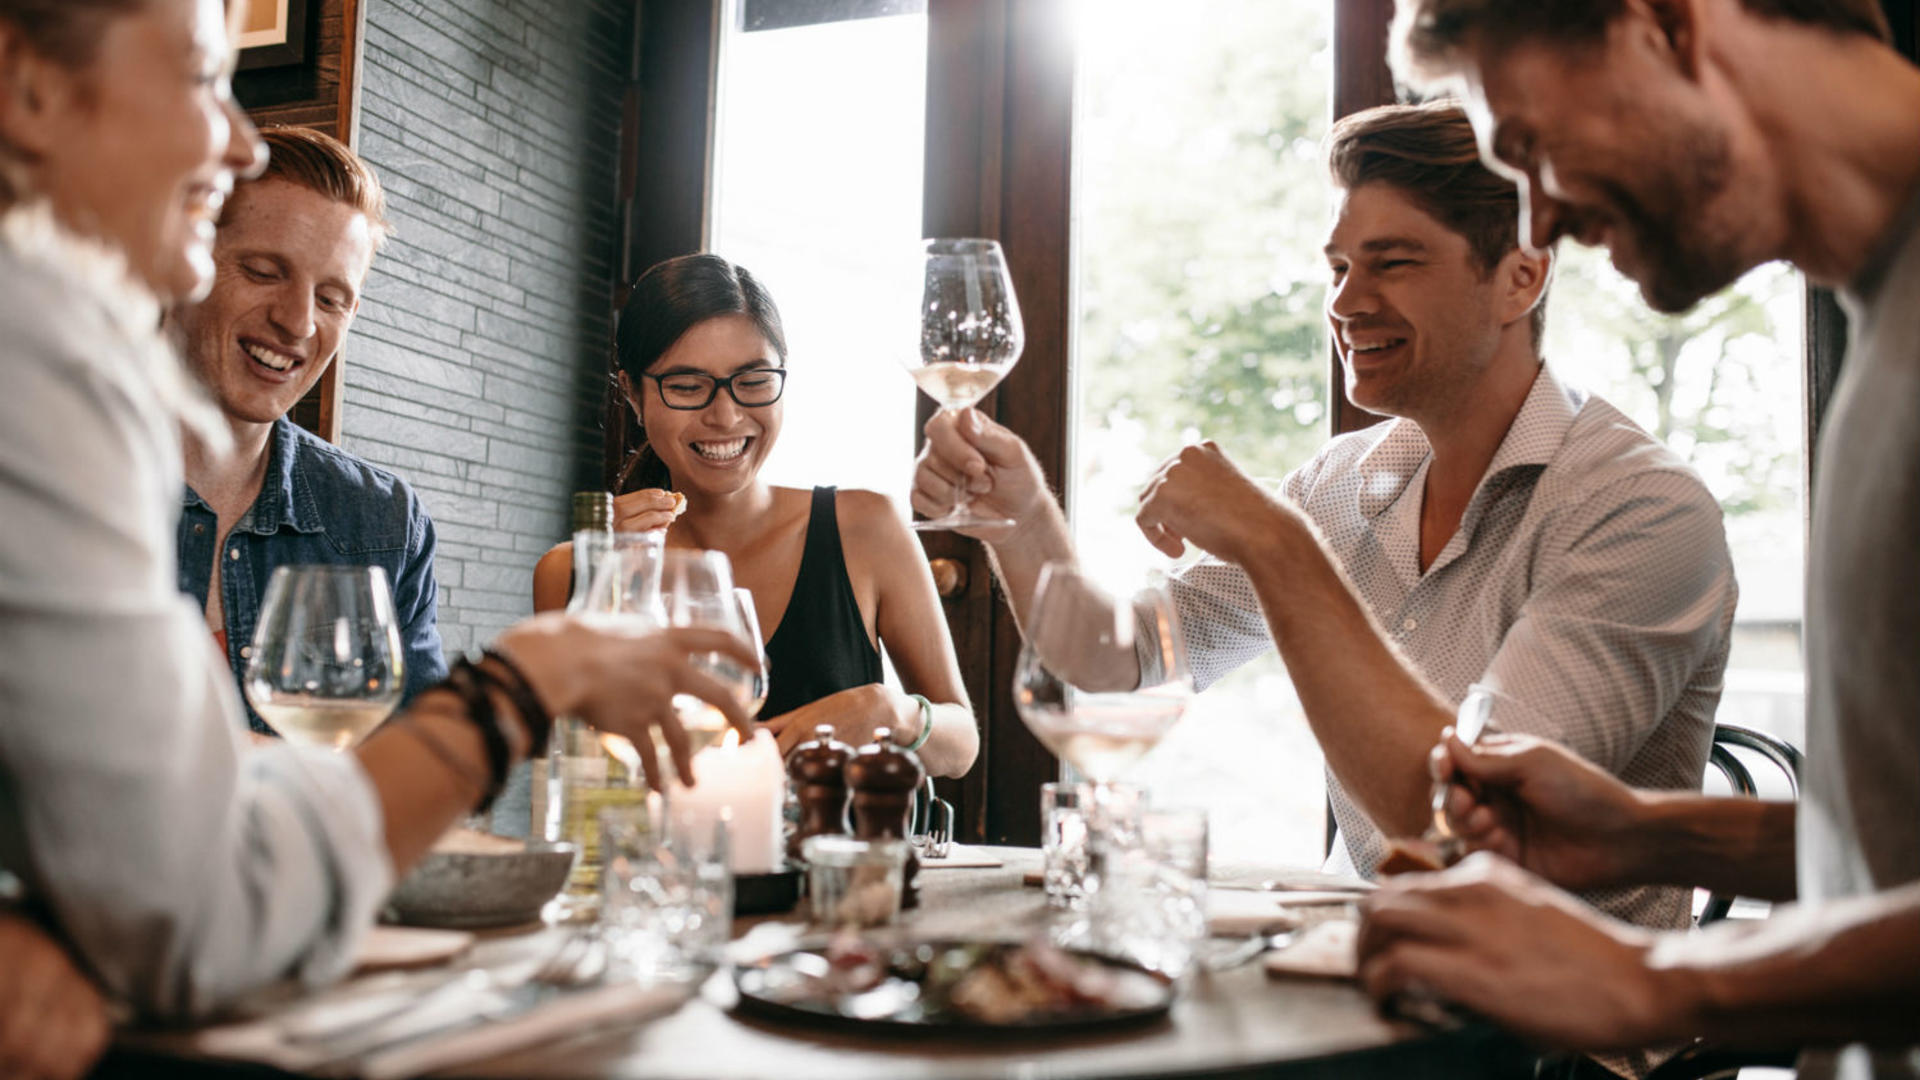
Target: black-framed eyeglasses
(753,388)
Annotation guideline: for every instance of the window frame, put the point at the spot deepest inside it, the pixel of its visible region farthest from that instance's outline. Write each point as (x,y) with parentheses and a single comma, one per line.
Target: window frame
(1000,78)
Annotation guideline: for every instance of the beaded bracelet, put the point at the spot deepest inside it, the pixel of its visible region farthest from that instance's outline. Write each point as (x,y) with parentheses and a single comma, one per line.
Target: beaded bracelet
(512,681)
(926,724)
(463,677)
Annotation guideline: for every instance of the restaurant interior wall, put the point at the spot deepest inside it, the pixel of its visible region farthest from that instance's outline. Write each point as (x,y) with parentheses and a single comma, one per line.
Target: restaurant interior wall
(476,369)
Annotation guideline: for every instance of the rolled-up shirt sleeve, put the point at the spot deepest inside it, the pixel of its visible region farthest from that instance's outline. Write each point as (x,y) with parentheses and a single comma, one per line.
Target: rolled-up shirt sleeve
(184,867)
(1636,598)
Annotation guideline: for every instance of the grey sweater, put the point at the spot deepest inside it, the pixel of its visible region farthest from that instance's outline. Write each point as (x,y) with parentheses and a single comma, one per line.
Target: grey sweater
(184,867)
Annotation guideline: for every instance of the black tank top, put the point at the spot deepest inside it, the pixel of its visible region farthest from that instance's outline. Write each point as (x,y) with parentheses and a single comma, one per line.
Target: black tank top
(821,646)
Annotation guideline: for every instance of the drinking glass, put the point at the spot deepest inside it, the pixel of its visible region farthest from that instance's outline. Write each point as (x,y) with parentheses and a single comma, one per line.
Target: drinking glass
(1152,905)
(696,589)
(1064,813)
(1100,681)
(970,336)
(750,621)
(326,665)
(667,911)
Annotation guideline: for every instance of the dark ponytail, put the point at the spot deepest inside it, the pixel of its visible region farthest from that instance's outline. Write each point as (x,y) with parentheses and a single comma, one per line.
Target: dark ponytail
(670,299)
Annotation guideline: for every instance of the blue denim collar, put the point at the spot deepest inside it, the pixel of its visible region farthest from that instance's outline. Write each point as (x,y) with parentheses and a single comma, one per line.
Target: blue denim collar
(286,496)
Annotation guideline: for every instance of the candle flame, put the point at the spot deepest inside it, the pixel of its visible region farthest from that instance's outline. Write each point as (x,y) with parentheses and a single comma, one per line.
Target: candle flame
(621,750)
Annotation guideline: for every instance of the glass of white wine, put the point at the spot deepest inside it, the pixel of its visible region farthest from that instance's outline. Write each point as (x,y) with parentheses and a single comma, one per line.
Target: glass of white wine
(696,589)
(1100,681)
(970,337)
(326,665)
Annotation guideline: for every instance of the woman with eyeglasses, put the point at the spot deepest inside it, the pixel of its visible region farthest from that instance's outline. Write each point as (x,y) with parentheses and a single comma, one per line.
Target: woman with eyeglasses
(835,575)
(180,867)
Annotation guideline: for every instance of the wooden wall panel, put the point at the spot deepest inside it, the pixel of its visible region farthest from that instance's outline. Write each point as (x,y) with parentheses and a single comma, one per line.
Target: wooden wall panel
(322,93)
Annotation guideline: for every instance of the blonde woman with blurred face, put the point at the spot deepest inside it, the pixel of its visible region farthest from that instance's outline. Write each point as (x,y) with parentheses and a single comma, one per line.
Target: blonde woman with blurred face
(182,869)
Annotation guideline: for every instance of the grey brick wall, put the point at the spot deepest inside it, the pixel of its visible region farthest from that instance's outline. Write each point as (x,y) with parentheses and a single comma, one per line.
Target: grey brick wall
(475,369)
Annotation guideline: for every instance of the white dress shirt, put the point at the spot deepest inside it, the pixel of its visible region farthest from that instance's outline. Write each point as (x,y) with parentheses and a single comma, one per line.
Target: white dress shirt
(1588,586)
(183,866)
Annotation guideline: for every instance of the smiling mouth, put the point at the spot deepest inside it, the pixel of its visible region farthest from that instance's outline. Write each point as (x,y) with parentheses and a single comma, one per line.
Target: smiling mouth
(730,450)
(274,361)
(1372,347)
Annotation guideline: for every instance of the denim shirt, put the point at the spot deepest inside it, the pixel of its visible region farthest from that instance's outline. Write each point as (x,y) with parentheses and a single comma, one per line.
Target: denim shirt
(319,504)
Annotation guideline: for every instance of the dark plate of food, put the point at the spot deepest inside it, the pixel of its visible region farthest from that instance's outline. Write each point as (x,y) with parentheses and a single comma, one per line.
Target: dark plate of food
(951,985)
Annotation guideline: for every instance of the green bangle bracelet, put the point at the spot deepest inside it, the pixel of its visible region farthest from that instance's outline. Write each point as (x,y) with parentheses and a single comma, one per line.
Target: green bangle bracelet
(926,723)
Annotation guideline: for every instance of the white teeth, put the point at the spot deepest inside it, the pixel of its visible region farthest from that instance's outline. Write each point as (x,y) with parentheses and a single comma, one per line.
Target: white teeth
(1377,346)
(721,451)
(269,358)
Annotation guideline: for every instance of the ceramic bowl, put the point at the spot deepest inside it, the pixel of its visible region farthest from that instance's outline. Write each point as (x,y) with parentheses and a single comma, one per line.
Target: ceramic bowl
(470,890)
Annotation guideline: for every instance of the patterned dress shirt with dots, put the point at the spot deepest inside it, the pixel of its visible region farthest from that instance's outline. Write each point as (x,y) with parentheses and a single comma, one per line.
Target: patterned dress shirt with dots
(1588,587)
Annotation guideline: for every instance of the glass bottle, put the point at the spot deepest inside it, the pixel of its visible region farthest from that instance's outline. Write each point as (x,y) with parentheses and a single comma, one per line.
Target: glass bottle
(615,576)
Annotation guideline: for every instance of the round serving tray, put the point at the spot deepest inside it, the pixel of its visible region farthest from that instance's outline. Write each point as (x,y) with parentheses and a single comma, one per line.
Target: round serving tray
(771,987)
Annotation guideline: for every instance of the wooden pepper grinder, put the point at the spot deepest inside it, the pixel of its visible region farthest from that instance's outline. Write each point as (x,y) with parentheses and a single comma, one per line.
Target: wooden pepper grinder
(883,778)
(817,768)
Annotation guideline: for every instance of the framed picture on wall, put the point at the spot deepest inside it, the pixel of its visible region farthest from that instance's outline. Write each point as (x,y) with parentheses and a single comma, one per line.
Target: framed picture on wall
(273,33)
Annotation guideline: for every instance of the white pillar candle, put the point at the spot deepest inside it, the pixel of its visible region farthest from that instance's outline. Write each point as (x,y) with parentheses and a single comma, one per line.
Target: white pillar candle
(748,781)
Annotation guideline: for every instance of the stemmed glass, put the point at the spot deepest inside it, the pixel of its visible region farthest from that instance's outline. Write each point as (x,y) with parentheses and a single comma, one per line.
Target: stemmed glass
(696,588)
(1100,681)
(970,336)
(750,622)
(326,665)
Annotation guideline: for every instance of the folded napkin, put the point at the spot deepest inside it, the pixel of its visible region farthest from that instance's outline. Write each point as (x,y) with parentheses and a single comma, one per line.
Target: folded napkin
(271,1040)
(394,948)
(1324,950)
(962,856)
(1244,914)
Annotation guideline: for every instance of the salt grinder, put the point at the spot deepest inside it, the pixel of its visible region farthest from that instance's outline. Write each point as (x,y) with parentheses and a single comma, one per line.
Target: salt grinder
(884,778)
(817,768)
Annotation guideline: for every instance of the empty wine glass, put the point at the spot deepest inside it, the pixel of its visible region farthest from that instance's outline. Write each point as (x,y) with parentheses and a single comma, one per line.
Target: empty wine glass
(1100,681)
(970,337)
(325,665)
(750,621)
(696,589)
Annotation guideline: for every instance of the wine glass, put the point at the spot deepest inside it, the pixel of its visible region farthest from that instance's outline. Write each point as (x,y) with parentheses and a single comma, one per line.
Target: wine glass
(326,665)
(970,336)
(696,589)
(1100,681)
(750,621)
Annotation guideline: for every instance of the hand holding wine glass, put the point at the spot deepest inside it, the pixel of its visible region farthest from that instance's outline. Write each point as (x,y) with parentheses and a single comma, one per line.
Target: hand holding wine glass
(326,665)
(970,337)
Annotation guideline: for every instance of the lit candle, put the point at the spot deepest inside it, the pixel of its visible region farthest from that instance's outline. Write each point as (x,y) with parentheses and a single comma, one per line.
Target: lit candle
(748,782)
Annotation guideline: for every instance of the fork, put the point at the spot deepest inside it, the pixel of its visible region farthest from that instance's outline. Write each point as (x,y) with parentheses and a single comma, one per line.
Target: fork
(937,841)
(578,961)
(1471,720)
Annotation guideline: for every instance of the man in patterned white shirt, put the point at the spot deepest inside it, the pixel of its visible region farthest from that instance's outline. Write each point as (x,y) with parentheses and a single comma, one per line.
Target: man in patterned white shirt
(1503,530)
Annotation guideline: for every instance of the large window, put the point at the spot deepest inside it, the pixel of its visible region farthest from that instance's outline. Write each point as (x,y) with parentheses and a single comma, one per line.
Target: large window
(1722,386)
(1199,209)
(817,170)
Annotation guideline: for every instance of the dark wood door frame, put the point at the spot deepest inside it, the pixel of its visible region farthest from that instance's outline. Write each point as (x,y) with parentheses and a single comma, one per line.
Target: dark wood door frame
(1361,80)
(999,165)
(666,160)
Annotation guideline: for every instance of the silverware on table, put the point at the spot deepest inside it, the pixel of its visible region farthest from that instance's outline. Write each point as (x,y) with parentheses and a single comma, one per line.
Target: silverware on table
(1237,953)
(465,1000)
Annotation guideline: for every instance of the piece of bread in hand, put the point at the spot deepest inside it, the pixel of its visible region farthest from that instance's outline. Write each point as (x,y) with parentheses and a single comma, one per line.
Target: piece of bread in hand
(1411,857)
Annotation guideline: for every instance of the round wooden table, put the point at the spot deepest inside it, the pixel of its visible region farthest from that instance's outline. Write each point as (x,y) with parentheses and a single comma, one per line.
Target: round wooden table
(1235,1023)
